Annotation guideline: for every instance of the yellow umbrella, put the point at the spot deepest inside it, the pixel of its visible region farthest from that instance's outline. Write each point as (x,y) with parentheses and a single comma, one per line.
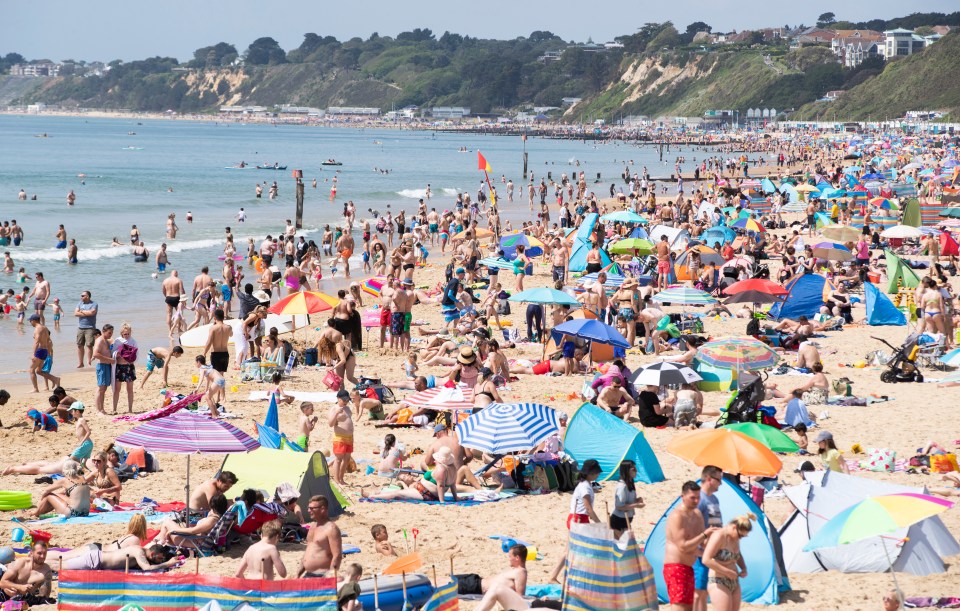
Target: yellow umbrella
(481,234)
(807,188)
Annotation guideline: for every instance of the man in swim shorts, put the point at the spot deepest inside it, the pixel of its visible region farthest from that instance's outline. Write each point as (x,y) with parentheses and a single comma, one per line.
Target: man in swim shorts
(172,288)
(86,313)
(217,341)
(341,420)
(663,262)
(42,347)
(685,538)
(105,361)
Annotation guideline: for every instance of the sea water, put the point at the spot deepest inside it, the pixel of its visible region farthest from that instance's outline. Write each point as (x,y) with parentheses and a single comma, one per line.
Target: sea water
(129,171)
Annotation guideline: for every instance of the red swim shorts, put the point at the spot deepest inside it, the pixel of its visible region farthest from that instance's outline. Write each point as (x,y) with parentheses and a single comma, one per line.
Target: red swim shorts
(663,267)
(340,447)
(541,368)
(679,578)
(577,518)
(385,317)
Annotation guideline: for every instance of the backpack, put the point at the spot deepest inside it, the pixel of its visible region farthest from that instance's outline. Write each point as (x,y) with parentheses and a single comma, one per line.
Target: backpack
(566,476)
(503,308)
(381,393)
(127,352)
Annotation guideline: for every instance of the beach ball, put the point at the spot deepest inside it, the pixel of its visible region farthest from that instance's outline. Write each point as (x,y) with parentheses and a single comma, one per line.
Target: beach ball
(234,388)
(6,555)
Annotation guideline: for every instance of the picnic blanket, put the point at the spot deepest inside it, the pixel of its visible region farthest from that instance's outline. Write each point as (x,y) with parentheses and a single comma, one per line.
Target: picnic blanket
(299,395)
(175,406)
(899,465)
(463,502)
(104,517)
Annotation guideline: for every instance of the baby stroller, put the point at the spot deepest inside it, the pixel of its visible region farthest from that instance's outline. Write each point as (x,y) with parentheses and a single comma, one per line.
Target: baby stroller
(902,366)
(745,405)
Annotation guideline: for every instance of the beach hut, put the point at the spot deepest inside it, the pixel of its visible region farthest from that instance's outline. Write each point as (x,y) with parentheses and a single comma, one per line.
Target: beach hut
(592,432)
(265,469)
(806,296)
(766,573)
(880,310)
(899,274)
(824,494)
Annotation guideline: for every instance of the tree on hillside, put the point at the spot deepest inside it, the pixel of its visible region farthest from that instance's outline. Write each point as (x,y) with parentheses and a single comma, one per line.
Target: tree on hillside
(417,35)
(826,20)
(637,42)
(265,51)
(216,56)
(692,30)
(668,38)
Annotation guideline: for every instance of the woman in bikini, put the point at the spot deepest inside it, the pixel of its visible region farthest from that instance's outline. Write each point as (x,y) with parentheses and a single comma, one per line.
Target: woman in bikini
(931,304)
(346,361)
(520,267)
(626,298)
(431,486)
(69,496)
(485,392)
(722,556)
(106,483)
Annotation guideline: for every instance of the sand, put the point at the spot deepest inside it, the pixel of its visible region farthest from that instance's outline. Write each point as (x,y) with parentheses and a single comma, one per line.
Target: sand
(917,413)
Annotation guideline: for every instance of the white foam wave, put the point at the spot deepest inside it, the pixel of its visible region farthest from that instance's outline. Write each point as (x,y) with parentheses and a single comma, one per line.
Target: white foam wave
(422,193)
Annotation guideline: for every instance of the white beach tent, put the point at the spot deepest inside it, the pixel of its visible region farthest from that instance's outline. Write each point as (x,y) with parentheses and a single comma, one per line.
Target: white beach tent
(678,238)
(823,495)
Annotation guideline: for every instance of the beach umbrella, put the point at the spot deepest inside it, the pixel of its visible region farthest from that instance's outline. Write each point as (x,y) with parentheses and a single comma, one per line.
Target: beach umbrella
(737,354)
(841,233)
(273,414)
(623,216)
(902,232)
(665,373)
(405,564)
(480,234)
(953,213)
(773,438)
(442,398)
(733,452)
(748,224)
(832,251)
(544,296)
(509,243)
(761,285)
(884,203)
(913,166)
(593,330)
(304,302)
(873,176)
(719,233)
(630,246)
(188,433)
(684,296)
(753,297)
(373,286)
(500,428)
(822,220)
(952,358)
(738,262)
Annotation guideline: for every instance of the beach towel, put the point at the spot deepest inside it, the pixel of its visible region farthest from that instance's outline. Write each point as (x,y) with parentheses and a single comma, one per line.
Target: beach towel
(104,517)
(328,397)
(463,502)
(923,602)
(899,466)
(175,406)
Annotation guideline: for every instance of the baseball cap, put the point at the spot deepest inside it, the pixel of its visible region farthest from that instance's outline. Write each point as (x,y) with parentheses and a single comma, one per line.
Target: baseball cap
(460,270)
(823,436)
(76,405)
(439,428)
(34,318)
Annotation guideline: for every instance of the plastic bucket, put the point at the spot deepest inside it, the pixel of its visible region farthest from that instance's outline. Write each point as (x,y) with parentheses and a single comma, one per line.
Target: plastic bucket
(873,277)
(17,534)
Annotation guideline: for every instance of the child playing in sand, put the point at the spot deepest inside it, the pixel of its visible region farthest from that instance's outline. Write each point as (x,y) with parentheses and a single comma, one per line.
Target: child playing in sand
(57,312)
(213,382)
(277,391)
(160,357)
(306,424)
(381,539)
(262,558)
(349,593)
(410,368)
(802,441)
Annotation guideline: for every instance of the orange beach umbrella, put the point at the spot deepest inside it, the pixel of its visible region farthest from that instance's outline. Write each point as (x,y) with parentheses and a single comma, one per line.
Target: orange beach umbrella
(306,302)
(731,451)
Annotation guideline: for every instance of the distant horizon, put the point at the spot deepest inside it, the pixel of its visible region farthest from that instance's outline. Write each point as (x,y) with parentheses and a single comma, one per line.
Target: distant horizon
(107,30)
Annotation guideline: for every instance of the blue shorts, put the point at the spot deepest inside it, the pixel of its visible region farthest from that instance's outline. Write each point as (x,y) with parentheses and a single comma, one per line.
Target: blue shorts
(104,374)
(84,451)
(161,267)
(431,381)
(153,362)
(450,315)
(700,573)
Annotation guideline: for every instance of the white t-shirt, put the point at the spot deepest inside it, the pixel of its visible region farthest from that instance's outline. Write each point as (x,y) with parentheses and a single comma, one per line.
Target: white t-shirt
(583,490)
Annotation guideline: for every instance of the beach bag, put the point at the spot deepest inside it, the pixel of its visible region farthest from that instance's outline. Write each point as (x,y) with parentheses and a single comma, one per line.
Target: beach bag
(251,371)
(503,308)
(332,380)
(842,387)
(538,480)
(127,352)
(566,476)
(920,460)
(380,393)
(881,460)
(943,463)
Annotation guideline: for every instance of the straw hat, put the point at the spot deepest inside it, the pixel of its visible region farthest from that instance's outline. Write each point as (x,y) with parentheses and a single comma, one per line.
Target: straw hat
(443,456)
(467,356)
(630,283)
(261,296)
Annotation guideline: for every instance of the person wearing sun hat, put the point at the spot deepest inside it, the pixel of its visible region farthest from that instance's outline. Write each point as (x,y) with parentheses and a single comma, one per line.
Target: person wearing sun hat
(466,370)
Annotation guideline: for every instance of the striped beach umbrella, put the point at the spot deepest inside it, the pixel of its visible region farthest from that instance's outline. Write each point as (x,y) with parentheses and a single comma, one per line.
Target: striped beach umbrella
(500,428)
(841,233)
(305,302)
(884,203)
(684,296)
(442,398)
(665,373)
(748,224)
(187,433)
(832,251)
(738,354)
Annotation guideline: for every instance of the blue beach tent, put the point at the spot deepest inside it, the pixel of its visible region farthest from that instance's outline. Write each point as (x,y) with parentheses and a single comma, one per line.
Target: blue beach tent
(805,298)
(880,310)
(595,433)
(581,245)
(766,575)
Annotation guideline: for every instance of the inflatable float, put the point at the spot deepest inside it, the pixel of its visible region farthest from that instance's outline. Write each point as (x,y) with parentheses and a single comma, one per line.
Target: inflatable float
(13,499)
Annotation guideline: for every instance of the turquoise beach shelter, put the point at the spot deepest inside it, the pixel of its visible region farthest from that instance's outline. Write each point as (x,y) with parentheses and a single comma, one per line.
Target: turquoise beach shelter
(766,574)
(581,245)
(595,433)
(880,310)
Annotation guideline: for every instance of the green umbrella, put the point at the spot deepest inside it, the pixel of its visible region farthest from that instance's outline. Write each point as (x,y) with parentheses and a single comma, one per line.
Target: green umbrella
(627,246)
(769,436)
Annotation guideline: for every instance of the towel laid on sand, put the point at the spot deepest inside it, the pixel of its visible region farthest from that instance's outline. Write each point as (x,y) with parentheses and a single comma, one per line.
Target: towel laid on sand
(262,395)
(106,517)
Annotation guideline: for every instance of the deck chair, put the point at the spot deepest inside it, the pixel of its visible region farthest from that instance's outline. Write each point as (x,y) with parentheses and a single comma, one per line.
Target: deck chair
(260,515)
(210,544)
(291,361)
(930,354)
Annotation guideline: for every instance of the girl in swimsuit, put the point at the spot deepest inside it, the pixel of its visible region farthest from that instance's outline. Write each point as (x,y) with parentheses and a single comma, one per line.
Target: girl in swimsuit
(722,556)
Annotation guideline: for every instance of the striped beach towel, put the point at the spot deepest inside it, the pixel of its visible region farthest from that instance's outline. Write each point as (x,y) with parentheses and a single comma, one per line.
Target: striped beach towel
(603,573)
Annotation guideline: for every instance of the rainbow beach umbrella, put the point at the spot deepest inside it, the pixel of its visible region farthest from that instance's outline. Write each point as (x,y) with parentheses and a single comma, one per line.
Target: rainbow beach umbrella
(737,354)
(305,302)
(748,224)
(884,203)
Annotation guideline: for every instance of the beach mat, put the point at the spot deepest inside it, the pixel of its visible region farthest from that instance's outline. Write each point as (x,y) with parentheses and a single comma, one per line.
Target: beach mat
(299,395)
(106,517)
(899,466)
(468,502)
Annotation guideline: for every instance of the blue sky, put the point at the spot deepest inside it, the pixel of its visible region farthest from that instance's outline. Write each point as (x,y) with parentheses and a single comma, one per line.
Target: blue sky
(133,29)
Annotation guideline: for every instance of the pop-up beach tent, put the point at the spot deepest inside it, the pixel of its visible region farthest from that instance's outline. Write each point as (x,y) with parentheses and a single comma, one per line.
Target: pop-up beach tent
(766,574)
(678,238)
(265,469)
(582,245)
(805,297)
(899,274)
(880,310)
(823,495)
(595,433)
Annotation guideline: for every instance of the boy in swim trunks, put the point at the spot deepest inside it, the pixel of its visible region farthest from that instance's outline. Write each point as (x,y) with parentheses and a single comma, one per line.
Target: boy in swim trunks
(214,383)
(82,430)
(341,420)
(159,358)
(306,424)
(57,312)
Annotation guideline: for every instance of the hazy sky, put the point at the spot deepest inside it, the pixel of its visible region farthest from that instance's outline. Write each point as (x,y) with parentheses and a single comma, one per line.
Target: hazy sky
(134,29)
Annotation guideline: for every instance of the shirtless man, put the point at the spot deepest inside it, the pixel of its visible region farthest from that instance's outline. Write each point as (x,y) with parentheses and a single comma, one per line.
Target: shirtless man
(262,557)
(217,341)
(40,295)
(807,355)
(161,259)
(201,495)
(387,293)
(324,542)
(105,362)
(663,262)
(514,578)
(444,438)
(72,252)
(615,399)
(345,247)
(559,256)
(27,576)
(171,531)
(266,281)
(685,536)
(402,315)
(433,224)
(91,557)
(172,288)
(42,348)
(201,282)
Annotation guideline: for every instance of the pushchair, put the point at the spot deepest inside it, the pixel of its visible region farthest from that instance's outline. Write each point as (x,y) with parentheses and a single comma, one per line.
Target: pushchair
(902,366)
(745,405)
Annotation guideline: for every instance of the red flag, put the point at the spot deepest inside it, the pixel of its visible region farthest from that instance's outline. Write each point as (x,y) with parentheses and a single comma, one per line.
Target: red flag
(482,163)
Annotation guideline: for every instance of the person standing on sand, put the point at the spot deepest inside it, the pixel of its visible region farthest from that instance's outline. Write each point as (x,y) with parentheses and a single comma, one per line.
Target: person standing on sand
(105,361)
(324,542)
(86,313)
(217,340)
(40,295)
(387,293)
(685,537)
(345,247)
(341,421)
(42,351)
(172,288)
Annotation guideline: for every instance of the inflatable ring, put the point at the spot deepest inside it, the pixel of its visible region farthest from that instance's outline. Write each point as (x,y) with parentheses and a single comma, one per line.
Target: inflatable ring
(258,264)
(13,499)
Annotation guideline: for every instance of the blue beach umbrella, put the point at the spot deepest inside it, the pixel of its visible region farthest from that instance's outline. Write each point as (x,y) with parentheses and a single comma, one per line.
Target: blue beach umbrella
(591,329)
(719,233)
(623,216)
(500,428)
(509,243)
(544,296)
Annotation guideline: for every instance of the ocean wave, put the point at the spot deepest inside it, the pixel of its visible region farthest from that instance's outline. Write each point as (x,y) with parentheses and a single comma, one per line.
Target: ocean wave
(421,193)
